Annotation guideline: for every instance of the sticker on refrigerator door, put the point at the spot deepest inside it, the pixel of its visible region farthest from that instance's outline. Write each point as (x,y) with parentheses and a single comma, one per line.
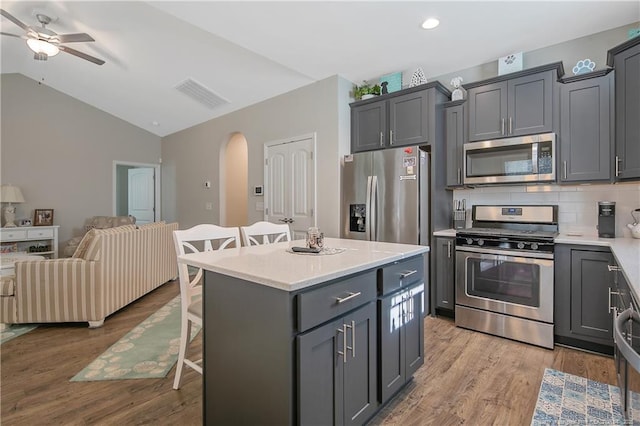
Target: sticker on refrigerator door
(409,163)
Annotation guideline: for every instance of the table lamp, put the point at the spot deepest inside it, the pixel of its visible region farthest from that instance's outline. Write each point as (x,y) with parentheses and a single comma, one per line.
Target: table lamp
(10,194)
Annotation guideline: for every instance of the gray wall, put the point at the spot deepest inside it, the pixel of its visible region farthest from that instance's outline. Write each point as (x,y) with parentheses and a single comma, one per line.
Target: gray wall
(192,156)
(60,152)
(593,47)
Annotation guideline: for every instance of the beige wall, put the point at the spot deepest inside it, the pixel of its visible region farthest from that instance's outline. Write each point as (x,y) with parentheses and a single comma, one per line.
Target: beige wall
(60,152)
(235,184)
(194,155)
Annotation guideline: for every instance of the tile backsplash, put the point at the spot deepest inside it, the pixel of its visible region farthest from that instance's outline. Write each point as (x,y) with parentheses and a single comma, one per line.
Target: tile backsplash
(577,204)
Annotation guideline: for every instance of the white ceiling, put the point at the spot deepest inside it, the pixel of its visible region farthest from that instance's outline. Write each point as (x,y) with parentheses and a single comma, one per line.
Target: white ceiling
(246,52)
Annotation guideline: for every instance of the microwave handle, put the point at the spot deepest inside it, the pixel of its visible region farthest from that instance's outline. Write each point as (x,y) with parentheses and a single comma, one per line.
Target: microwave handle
(534,158)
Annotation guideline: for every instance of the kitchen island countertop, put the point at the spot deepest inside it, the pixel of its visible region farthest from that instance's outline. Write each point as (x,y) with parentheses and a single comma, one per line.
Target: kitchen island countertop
(272,265)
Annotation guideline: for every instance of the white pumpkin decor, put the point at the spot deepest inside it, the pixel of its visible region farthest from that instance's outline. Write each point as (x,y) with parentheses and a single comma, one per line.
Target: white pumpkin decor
(418,78)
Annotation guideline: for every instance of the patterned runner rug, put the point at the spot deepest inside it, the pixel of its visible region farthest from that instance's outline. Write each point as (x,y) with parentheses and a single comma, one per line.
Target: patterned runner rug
(15,330)
(565,399)
(148,351)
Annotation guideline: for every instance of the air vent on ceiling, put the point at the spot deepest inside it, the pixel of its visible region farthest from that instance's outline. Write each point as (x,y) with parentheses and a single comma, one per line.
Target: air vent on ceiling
(200,93)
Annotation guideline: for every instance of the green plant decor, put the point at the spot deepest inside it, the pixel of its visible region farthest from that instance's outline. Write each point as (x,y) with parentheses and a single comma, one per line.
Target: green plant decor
(365,89)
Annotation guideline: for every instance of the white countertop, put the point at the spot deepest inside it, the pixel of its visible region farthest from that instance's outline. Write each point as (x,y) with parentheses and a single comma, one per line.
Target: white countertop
(274,266)
(625,250)
(451,233)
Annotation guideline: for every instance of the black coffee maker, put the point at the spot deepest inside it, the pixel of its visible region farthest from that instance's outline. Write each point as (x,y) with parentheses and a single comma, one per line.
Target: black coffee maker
(606,219)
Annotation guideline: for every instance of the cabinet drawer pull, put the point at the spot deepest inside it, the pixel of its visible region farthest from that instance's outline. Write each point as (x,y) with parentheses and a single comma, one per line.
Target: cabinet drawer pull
(407,274)
(613,268)
(349,297)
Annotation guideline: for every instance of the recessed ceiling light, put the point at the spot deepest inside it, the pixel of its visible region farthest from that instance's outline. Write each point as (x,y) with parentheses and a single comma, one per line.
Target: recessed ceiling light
(430,23)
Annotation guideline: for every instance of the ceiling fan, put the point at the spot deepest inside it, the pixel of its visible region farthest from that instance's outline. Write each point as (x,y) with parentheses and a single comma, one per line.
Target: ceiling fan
(45,42)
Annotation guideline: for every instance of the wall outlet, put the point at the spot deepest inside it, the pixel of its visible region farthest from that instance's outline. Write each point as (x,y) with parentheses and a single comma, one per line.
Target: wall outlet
(208,206)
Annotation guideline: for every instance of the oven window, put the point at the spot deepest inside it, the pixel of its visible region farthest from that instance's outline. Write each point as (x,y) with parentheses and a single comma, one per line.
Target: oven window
(504,281)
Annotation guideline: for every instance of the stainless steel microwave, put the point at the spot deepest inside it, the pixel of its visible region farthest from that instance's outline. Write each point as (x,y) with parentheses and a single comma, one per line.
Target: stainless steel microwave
(511,160)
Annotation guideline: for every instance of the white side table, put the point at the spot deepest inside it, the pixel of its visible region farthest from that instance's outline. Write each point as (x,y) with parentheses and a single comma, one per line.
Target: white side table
(26,236)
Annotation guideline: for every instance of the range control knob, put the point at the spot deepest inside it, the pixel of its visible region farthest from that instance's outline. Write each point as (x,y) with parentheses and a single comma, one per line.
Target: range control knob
(534,246)
(469,241)
(480,242)
(520,245)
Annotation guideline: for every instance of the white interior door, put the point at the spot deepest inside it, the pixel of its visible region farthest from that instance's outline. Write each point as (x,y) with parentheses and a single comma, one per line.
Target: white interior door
(289,189)
(141,192)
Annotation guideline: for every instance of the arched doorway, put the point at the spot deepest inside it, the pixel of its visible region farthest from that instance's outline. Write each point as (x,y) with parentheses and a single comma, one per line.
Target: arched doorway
(234,180)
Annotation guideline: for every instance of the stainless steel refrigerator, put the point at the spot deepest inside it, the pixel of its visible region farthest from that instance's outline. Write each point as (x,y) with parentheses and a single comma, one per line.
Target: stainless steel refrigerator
(385,196)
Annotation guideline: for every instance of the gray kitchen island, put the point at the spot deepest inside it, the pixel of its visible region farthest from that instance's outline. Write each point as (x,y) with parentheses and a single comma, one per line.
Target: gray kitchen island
(309,338)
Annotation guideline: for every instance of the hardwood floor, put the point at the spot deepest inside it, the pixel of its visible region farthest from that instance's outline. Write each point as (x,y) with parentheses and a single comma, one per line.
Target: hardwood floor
(468,378)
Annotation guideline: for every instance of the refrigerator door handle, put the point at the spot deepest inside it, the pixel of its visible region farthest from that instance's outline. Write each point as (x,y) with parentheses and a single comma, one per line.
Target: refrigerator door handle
(374,209)
(367,227)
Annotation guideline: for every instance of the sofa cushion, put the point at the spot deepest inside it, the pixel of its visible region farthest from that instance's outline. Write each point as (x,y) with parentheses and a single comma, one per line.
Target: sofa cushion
(86,241)
(7,286)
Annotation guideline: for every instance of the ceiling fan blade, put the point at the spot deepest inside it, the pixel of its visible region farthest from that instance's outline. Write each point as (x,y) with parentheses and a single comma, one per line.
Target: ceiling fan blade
(14,35)
(81,55)
(73,38)
(13,19)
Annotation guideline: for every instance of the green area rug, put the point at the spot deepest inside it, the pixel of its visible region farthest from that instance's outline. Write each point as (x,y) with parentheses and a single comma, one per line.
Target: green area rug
(565,399)
(15,330)
(148,351)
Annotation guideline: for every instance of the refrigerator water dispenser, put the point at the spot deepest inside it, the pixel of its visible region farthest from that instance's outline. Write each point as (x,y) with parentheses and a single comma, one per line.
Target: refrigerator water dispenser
(357,217)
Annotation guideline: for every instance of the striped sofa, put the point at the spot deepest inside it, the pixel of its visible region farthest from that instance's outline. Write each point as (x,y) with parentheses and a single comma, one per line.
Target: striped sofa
(110,269)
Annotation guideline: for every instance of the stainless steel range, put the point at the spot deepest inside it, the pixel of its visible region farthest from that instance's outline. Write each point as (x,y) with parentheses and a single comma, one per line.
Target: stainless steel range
(504,272)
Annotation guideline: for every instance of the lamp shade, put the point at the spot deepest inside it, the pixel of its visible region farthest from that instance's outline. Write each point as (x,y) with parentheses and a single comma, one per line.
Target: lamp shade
(11,194)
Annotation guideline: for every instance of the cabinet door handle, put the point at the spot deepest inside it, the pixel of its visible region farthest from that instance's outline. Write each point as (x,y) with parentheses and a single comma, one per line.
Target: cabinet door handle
(381,139)
(344,343)
(352,348)
(459,176)
(406,274)
(449,249)
(391,137)
(502,126)
(564,169)
(618,160)
(510,125)
(349,297)
(613,268)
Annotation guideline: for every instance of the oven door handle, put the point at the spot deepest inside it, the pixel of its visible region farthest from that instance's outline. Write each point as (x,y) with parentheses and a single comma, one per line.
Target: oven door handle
(506,253)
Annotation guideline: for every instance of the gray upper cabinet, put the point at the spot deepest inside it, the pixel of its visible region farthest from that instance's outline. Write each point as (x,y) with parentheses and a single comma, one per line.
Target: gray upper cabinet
(586,117)
(513,105)
(408,119)
(625,59)
(455,137)
(368,126)
(397,119)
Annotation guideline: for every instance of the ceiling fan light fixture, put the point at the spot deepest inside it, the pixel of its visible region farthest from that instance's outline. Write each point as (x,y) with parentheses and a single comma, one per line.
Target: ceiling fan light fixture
(41,46)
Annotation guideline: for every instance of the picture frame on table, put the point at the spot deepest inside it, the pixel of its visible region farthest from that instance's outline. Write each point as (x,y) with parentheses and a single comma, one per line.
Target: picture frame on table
(43,217)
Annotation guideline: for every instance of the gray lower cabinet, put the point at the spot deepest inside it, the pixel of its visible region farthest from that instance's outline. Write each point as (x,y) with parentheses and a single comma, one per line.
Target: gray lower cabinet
(401,330)
(445,273)
(517,105)
(454,113)
(625,59)
(586,128)
(337,370)
(582,314)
